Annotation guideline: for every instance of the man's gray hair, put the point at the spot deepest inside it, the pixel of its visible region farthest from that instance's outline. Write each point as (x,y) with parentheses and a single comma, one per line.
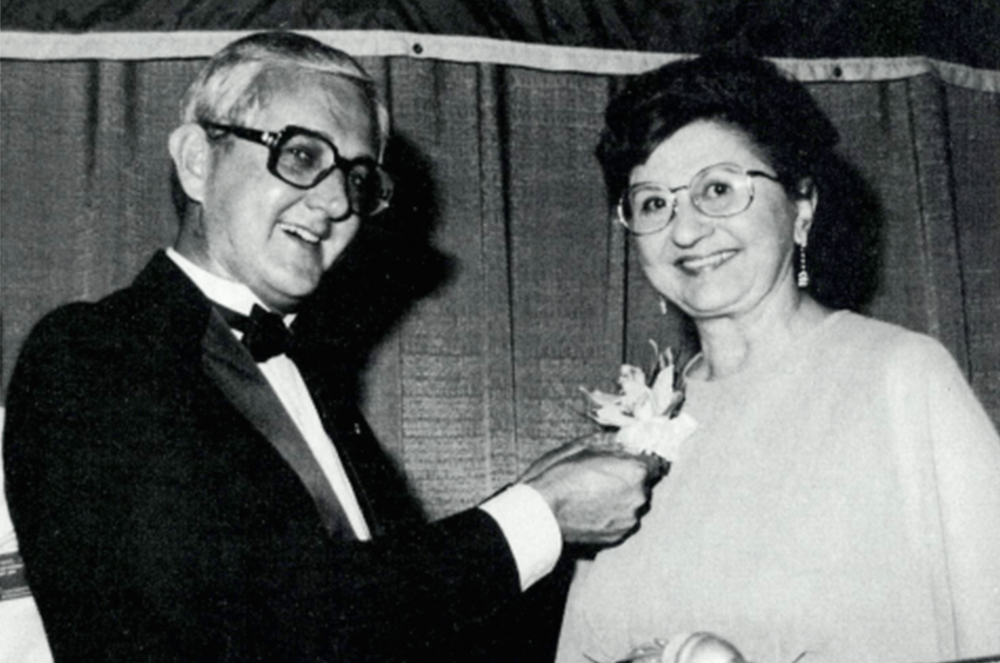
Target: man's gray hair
(236,80)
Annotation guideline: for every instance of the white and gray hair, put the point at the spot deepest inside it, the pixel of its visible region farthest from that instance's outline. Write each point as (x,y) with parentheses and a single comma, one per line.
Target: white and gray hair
(239,79)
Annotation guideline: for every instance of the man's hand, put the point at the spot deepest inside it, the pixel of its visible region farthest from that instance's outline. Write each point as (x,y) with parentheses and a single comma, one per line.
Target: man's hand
(596,491)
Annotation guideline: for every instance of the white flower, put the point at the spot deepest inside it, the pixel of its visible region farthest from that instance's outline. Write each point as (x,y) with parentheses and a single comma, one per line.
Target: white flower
(647,416)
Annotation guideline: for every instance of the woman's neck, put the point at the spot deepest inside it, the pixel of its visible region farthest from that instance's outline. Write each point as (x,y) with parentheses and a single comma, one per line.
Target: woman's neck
(733,344)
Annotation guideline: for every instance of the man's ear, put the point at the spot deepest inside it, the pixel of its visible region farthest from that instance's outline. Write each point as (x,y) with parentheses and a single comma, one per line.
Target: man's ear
(806,203)
(191,152)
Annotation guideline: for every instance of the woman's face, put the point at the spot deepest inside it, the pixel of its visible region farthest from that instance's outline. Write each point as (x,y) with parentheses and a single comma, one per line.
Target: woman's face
(710,266)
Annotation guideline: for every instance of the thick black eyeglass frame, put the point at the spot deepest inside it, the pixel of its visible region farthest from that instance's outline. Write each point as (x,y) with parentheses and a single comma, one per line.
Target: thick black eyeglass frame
(673,193)
(274,141)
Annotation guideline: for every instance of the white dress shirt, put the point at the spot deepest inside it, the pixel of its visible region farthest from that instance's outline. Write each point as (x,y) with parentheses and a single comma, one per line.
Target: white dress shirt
(287,382)
(523,515)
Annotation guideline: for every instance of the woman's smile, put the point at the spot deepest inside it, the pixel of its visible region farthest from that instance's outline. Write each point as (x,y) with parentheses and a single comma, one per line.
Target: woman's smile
(696,265)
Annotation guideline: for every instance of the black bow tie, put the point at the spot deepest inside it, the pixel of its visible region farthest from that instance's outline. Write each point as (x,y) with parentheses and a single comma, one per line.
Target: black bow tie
(264,333)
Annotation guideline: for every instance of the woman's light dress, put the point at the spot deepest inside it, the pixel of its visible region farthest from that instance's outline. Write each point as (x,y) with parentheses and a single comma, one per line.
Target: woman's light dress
(842,505)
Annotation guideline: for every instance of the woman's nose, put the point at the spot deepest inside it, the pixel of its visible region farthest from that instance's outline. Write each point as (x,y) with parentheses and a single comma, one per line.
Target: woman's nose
(689,224)
(330,196)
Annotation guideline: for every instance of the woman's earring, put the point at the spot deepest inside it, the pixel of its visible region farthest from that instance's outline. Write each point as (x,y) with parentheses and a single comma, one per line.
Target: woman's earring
(663,305)
(803,275)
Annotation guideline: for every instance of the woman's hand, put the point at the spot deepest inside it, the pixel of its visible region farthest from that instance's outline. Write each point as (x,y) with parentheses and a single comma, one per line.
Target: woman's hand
(687,648)
(651,653)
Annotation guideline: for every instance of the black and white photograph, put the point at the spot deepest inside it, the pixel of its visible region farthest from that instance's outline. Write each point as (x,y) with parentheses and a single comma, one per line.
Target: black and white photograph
(525,331)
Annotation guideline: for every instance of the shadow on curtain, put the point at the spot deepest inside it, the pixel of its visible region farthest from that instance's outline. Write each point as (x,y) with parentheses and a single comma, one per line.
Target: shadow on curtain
(498,286)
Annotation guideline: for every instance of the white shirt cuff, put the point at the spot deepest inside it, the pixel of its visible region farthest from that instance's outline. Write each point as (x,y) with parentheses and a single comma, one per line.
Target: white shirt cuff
(530,528)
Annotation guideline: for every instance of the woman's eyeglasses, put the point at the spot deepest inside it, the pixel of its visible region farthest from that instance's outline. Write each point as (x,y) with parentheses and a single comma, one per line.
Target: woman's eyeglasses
(303,158)
(724,189)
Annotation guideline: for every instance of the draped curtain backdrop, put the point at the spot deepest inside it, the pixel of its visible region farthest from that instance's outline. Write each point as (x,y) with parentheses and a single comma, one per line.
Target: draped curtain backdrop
(531,291)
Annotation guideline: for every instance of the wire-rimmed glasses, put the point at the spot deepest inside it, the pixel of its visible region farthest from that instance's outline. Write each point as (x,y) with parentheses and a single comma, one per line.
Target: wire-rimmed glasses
(721,190)
(303,158)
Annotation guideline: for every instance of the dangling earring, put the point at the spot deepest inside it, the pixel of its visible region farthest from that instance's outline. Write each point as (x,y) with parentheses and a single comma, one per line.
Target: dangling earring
(663,305)
(803,275)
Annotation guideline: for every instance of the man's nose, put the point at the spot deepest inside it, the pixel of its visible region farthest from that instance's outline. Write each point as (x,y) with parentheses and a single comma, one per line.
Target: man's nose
(330,196)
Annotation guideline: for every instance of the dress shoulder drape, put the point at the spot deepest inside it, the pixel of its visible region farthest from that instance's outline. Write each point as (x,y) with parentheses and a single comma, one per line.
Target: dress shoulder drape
(840,506)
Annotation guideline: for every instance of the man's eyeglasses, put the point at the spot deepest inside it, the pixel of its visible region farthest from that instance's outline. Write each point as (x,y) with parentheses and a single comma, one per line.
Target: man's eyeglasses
(724,189)
(304,158)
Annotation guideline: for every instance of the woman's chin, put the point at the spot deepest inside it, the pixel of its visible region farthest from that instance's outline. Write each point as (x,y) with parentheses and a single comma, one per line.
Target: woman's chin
(710,306)
(729,299)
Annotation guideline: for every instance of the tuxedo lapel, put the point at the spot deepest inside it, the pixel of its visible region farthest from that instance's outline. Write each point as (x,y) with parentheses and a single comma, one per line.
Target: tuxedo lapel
(381,488)
(230,366)
(189,323)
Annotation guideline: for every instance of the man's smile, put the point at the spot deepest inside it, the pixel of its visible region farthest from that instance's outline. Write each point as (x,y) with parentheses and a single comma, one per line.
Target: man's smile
(300,232)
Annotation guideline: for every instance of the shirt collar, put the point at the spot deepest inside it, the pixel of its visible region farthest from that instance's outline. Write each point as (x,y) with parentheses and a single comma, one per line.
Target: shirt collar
(233,295)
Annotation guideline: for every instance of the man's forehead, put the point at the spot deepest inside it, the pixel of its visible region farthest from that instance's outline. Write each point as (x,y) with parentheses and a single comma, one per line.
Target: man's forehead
(304,87)
(289,83)
(331,104)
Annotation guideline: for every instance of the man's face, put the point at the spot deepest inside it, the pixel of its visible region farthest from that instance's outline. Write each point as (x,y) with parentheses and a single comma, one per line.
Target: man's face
(267,234)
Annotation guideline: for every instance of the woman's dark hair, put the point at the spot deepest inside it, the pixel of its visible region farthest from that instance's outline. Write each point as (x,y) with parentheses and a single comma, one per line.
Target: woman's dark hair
(784,124)
(776,112)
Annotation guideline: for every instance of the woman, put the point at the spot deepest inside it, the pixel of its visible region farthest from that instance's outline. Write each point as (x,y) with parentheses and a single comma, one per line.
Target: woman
(840,499)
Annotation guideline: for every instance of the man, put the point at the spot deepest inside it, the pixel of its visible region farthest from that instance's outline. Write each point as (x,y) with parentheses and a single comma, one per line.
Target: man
(182,495)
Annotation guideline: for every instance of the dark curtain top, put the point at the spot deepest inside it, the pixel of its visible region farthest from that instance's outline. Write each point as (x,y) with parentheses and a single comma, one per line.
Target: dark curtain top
(959,31)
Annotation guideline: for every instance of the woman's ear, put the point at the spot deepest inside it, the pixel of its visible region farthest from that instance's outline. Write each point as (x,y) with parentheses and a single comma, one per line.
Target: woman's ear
(806,203)
(191,152)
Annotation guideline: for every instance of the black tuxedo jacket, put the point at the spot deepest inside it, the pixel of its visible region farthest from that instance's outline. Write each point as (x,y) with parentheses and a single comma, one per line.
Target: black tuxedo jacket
(158,523)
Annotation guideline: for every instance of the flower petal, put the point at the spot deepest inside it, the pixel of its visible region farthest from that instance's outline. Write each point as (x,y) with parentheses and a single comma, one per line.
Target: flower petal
(611,415)
(663,390)
(633,383)
(601,398)
(645,406)
(658,435)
